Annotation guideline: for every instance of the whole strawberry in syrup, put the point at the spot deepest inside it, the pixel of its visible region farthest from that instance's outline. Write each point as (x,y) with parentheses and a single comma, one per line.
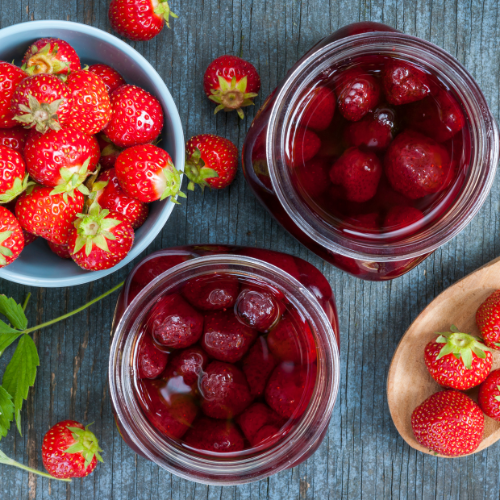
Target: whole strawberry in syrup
(403,82)
(304,144)
(218,436)
(10,77)
(232,83)
(210,161)
(489,395)
(317,108)
(488,320)
(14,138)
(11,238)
(52,56)
(13,178)
(110,77)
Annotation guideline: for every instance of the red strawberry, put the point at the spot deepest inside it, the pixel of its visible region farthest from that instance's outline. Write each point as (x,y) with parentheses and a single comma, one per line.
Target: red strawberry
(268,434)
(416,165)
(317,108)
(11,237)
(313,177)
(488,320)
(257,366)
(212,292)
(29,238)
(404,83)
(489,395)
(136,117)
(70,450)
(110,77)
(232,83)
(224,391)
(458,360)
(10,77)
(189,364)
(401,217)
(14,138)
(109,152)
(41,101)
(147,174)
(358,172)
(219,436)
(361,224)
(139,19)
(90,104)
(303,146)
(109,194)
(48,216)
(174,323)
(13,177)
(255,417)
(50,55)
(210,161)
(225,338)
(375,131)
(258,308)
(100,239)
(151,361)
(448,423)
(60,250)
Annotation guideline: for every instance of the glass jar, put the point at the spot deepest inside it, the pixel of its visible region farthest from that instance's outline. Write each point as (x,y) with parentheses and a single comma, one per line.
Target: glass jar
(308,292)
(265,152)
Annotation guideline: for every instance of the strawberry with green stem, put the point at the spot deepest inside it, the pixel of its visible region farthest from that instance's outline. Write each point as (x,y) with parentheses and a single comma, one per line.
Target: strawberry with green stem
(52,56)
(11,238)
(13,176)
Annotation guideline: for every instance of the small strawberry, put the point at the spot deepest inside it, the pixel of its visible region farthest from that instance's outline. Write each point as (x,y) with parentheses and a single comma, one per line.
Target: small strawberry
(109,152)
(400,217)
(139,20)
(100,239)
(488,320)
(257,366)
(70,450)
(189,364)
(46,215)
(232,83)
(317,108)
(10,77)
(151,361)
(13,177)
(213,292)
(489,395)
(254,418)
(219,436)
(303,146)
(61,251)
(52,56)
(14,138)
(210,161)
(448,423)
(147,174)
(41,101)
(110,77)
(11,237)
(404,83)
(458,360)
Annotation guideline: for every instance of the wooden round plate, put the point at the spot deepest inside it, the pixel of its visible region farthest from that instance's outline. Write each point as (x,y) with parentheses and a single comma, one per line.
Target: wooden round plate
(409,383)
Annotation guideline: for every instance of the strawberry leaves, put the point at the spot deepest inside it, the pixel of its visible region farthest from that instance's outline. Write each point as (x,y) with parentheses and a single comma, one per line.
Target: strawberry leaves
(13,312)
(6,412)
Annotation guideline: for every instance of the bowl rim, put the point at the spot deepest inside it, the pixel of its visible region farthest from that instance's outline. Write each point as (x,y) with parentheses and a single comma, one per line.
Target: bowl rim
(178,136)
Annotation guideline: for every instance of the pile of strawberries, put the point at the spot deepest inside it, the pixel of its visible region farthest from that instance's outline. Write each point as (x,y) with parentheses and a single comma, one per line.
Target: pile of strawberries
(450,422)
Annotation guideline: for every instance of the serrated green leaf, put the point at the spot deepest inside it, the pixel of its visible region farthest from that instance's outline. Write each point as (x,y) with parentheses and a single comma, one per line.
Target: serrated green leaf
(6,412)
(5,328)
(6,339)
(13,312)
(20,374)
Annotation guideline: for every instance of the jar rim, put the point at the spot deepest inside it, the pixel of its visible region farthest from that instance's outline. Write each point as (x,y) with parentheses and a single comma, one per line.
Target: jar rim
(483,132)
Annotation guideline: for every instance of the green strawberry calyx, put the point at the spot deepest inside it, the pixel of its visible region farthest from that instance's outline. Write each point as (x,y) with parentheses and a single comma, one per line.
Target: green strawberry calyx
(44,61)
(162,9)
(461,345)
(73,180)
(17,188)
(42,116)
(197,172)
(85,443)
(4,251)
(232,95)
(172,179)
(497,398)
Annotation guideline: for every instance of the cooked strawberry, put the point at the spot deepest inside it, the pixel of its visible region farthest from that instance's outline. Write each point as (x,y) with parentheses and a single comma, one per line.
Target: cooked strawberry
(313,177)
(488,320)
(416,165)
(100,239)
(448,423)
(267,434)
(257,366)
(218,436)
(401,217)
(13,177)
(361,224)
(52,56)
(232,83)
(151,361)
(303,146)
(258,308)
(109,152)
(317,108)
(147,174)
(10,77)
(136,117)
(46,215)
(139,19)
(213,292)
(41,101)
(358,172)
(189,364)
(60,250)
(403,82)
(14,138)
(110,77)
(11,237)
(375,131)
(489,395)
(109,194)
(210,161)
(255,417)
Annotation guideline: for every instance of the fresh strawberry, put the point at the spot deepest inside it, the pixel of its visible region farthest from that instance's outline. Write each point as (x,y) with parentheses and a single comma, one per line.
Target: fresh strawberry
(147,174)
(41,101)
(60,250)
(375,131)
(139,20)
(303,146)
(46,215)
(258,308)
(489,395)
(52,56)
(70,450)
(488,320)
(151,361)
(448,423)
(401,217)
(13,177)
(100,239)
(313,177)
(416,165)
(358,172)
(29,238)
(11,237)
(109,152)
(458,360)
(189,364)
(224,390)
(62,158)
(317,108)
(10,77)
(14,138)
(232,83)
(136,117)
(255,417)
(107,191)
(213,292)
(210,161)
(257,366)
(110,77)
(403,82)
(218,436)
(174,323)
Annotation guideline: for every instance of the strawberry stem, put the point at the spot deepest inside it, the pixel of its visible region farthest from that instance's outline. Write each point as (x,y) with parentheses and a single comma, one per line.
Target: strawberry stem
(26,300)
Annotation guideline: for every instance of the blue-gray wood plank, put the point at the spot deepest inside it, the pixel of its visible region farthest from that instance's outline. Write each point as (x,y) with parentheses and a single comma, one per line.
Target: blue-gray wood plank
(362,455)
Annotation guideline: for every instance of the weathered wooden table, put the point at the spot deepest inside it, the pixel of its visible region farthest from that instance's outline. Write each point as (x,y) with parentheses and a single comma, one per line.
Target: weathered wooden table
(362,455)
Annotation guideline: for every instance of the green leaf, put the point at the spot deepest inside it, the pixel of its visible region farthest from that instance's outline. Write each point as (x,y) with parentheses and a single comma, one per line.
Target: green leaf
(6,339)
(5,328)
(20,374)
(6,411)
(13,312)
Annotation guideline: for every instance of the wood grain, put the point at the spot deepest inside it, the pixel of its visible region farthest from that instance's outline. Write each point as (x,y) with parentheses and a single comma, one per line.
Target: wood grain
(362,456)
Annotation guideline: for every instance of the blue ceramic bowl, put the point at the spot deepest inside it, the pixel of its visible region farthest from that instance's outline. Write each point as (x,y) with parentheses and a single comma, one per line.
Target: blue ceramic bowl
(37,265)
